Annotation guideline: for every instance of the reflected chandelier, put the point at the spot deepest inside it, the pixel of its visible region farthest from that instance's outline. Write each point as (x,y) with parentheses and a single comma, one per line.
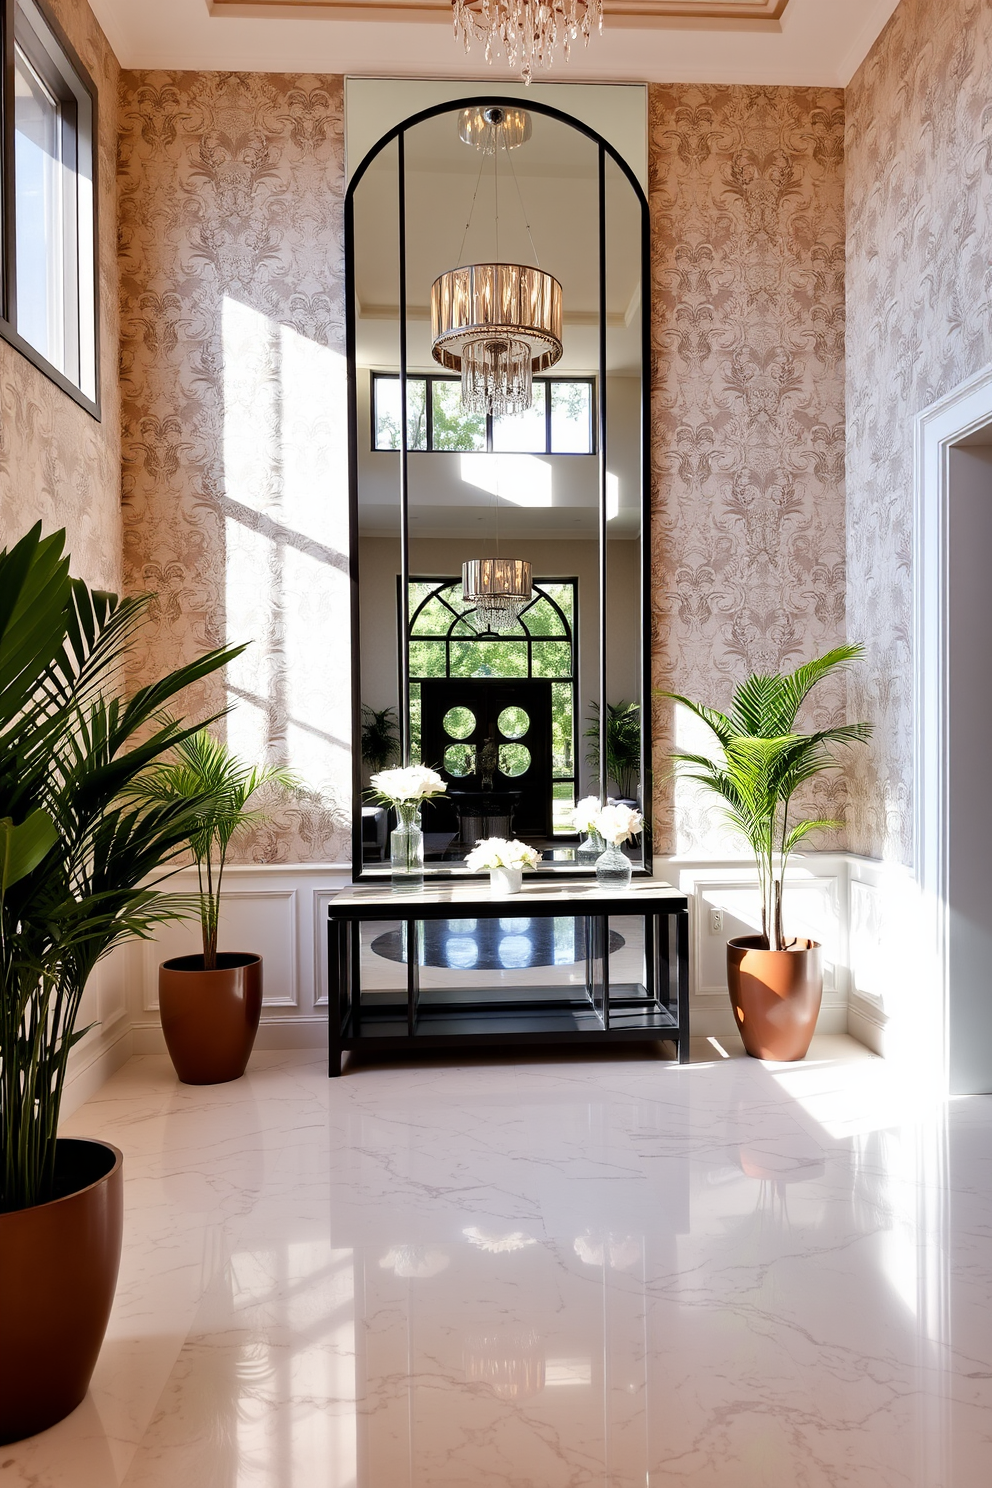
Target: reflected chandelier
(527,31)
(496,323)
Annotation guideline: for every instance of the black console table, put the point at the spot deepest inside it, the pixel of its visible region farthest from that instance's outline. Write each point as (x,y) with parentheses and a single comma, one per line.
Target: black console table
(524,1009)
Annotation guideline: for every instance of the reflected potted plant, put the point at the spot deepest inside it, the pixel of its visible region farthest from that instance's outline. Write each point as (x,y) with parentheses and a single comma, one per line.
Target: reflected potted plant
(380,741)
(505,861)
(775,981)
(210,1003)
(623,746)
(406,789)
(80,866)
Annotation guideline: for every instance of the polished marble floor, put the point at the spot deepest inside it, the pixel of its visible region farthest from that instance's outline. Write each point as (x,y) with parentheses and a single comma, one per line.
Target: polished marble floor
(600,1270)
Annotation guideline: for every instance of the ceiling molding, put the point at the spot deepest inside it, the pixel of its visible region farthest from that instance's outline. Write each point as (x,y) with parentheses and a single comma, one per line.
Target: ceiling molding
(638,12)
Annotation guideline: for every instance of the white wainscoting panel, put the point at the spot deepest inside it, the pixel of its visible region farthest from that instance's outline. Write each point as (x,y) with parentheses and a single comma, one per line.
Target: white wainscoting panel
(856,908)
(816,908)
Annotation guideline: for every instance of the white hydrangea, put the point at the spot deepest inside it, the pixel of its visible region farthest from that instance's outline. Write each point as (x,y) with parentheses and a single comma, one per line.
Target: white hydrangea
(585,814)
(408,783)
(617,824)
(496,852)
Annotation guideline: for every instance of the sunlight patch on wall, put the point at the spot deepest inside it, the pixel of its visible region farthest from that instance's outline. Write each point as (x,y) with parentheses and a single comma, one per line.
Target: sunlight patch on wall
(286,527)
(523,480)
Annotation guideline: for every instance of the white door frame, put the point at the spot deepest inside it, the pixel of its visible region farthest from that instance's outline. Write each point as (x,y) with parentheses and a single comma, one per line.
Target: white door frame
(961,412)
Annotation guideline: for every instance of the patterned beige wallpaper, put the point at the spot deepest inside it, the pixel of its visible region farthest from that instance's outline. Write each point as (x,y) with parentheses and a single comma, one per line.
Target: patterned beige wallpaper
(233,384)
(919,204)
(232,327)
(57,463)
(747,215)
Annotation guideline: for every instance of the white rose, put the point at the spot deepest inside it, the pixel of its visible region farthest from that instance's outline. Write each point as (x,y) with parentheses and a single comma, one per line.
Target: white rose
(618,823)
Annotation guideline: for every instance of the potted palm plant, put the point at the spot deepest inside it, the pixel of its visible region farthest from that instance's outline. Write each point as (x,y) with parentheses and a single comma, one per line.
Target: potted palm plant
(210,1004)
(775,982)
(80,867)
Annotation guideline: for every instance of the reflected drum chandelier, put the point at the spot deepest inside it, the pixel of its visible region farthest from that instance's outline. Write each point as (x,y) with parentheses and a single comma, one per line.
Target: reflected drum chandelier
(499,588)
(496,323)
(527,31)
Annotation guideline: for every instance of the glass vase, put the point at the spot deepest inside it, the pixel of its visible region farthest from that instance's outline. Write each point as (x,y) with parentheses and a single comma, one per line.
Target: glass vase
(591,849)
(406,847)
(613,868)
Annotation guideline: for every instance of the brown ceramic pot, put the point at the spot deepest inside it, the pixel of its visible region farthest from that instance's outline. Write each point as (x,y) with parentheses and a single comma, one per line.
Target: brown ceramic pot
(58,1271)
(775,995)
(210,1018)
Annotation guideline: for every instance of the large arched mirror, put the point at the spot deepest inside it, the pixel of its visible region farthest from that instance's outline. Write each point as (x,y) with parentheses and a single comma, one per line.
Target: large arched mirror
(499,531)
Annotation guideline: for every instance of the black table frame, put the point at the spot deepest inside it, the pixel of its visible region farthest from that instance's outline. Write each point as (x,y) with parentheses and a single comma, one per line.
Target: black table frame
(598,1014)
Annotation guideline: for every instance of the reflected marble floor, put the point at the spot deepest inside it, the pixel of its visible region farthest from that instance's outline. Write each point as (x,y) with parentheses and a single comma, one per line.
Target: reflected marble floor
(602,1271)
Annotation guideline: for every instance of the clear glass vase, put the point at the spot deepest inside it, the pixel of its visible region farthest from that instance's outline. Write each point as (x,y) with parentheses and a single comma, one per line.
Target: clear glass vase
(406,847)
(591,850)
(613,868)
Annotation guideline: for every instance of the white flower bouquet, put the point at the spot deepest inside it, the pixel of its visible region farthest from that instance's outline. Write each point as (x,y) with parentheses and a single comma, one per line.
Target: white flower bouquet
(496,852)
(407,784)
(618,824)
(585,814)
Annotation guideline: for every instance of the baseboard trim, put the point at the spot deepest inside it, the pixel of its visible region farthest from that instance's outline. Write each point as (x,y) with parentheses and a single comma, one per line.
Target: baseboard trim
(94,1067)
(274,1033)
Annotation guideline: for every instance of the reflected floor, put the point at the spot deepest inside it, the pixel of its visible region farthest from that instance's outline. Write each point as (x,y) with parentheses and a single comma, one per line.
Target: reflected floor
(539,1272)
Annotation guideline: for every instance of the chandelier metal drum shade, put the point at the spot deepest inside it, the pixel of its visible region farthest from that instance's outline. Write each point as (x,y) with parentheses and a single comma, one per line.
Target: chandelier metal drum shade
(527,31)
(499,588)
(496,324)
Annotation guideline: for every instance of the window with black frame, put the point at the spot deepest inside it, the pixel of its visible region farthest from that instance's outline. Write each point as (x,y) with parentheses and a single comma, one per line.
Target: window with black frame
(49,301)
(445,642)
(559,422)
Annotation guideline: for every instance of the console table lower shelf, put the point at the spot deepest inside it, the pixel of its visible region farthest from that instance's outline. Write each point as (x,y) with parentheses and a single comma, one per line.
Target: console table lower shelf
(450,967)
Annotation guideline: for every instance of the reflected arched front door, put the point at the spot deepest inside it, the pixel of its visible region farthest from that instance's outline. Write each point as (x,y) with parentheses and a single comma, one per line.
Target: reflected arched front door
(472,727)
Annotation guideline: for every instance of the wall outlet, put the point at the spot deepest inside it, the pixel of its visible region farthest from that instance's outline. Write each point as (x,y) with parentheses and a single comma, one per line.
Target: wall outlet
(716,921)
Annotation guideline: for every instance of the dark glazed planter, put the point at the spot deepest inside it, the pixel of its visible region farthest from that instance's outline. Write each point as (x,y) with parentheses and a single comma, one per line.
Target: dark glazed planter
(775,996)
(210,1018)
(58,1272)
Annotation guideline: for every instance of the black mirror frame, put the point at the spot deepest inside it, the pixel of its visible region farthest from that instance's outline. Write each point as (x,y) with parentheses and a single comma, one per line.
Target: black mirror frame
(397,133)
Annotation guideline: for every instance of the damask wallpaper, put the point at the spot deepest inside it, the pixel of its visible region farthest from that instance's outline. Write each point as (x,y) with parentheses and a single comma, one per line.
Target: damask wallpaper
(232,368)
(233,385)
(919,207)
(57,463)
(747,219)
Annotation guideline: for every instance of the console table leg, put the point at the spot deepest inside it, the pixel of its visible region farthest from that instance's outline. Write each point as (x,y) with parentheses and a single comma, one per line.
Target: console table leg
(682,964)
(335,965)
(412,975)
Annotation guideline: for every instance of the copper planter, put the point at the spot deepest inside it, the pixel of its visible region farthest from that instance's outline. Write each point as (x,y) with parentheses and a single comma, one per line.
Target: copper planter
(775,995)
(58,1272)
(210,1018)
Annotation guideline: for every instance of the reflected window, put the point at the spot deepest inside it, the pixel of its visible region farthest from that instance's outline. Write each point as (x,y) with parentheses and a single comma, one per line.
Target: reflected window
(513,723)
(459,723)
(459,759)
(514,760)
(559,422)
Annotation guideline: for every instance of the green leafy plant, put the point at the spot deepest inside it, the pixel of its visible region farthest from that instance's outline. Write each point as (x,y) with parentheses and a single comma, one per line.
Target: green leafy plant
(218,788)
(81,863)
(623,744)
(380,741)
(763,763)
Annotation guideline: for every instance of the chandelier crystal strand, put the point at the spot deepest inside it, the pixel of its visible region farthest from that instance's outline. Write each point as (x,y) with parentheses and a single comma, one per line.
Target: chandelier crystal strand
(527,31)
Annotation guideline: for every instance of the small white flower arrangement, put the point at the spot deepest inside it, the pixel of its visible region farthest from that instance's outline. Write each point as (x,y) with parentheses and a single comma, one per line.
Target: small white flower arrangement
(616,823)
(407,784)
(585,814)
(496,852)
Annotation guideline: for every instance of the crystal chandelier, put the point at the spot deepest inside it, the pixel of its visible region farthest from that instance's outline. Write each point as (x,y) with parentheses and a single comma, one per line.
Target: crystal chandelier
(496,323)
(527,31)
(499,588)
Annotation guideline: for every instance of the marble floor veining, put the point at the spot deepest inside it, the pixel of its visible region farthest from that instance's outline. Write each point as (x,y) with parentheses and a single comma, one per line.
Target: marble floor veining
(603,1270)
